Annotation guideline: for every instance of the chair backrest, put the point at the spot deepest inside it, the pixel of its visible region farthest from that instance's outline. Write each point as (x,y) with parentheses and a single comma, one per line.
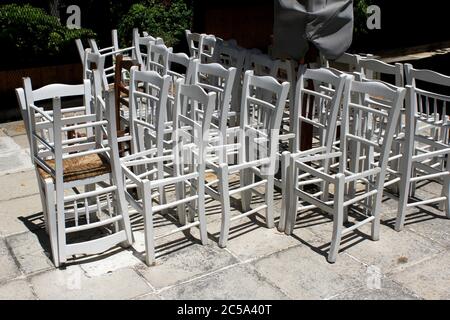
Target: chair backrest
(110,54)
(261,64)
(148,102)
(95,61)
(369,124)
(195,43)
(207,49)
(213,77)
(192,116)
(263,102)
(61,145)
(347,63)
(140,44)
(229,55)
(319,105)
(178,65)
(80,49)
(158,58)
(428,102)
(378,70)
(121,88)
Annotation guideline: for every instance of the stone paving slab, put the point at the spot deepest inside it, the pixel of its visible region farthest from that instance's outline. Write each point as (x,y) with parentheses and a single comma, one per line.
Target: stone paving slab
(151,296)
(388,290)
(393,250)
(429,279)
(18,185)
(20,215)
(12,129)
(185,264)
(29,252)
(72,283)
(250,238)
(22,141)
(8,267)
(238,282)
(16,290)
(12,157)
(305,274)
(108,262)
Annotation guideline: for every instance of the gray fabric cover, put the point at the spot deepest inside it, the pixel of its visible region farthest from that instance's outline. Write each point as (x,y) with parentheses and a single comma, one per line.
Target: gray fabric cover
(328,24)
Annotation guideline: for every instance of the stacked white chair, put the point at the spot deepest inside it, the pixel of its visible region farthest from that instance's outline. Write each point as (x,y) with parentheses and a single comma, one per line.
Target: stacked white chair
(427,146)
(257,146)
(320,108)
(358,182)
(372,69)
(140,45)
(212,77)
(63,162)
(144,168)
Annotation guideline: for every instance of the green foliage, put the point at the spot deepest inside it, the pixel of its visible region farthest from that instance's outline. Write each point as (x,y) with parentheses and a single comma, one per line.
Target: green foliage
(28,33)
(360,13)
(165,19)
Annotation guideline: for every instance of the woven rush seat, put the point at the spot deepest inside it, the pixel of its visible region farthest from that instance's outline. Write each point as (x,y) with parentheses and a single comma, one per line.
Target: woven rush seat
(80,168)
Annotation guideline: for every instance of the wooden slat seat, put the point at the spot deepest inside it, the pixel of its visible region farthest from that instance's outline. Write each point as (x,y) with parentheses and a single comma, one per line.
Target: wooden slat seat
(80,168)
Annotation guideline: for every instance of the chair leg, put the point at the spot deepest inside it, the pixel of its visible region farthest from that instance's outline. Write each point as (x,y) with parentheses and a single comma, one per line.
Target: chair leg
(61,224)
(42,193)
(338,219)
(284,191)
(181,209)
(446,192)
(405,185)
(376,212)
(269,201)
(225,201)
(192,208)
(246,177)
(291,214)
(148,226)
(125,224)
(51,216)
(162,190)
(201,207)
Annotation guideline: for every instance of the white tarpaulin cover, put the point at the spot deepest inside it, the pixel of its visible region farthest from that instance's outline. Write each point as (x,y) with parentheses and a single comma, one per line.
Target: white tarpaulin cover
(328,24)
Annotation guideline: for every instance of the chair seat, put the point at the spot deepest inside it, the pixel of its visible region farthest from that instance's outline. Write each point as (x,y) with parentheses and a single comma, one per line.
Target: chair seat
(80,168)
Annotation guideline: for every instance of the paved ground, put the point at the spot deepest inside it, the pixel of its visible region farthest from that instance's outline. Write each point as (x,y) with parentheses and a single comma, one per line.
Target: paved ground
(257,264)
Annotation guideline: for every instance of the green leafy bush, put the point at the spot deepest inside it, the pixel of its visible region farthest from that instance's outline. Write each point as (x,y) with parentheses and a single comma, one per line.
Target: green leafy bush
(360,13)
(29,34)
(165,19)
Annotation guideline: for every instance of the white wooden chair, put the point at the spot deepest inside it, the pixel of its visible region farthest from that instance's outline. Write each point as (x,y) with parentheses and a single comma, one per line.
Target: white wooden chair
(207,49)
(261,64)
(356,185)
(195,43)
(109,54)
(65,162)
(229,55)
(372,69)
(158,58)
(320,108)
(427,147)
(190,132)
(257,147)
(347,62)
(95,62)
(140,45)
(212,77)
(286,71)
(177,66)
